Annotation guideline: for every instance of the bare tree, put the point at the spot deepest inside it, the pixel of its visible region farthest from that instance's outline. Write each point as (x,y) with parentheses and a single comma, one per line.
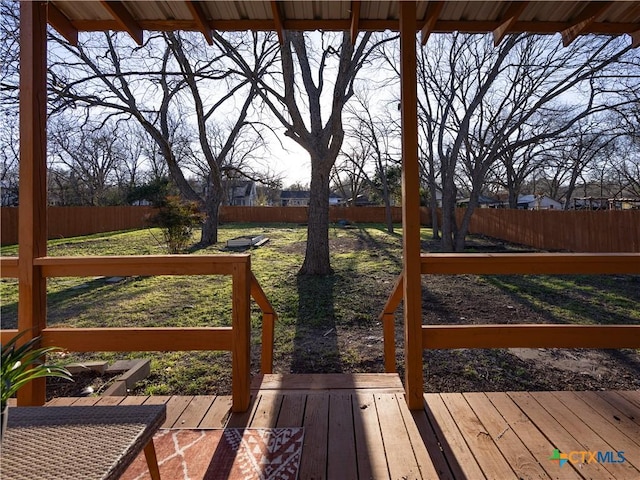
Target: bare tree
(477,98)
(177,98)
(348,173)
(301,88)
(372,136)
(91,156)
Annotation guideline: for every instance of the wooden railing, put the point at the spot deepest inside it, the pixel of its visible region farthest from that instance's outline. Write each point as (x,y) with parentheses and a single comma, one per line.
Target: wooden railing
(516,336)
(235,339)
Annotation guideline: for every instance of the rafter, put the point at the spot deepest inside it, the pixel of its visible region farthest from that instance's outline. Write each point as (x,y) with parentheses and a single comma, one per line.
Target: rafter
(355,20)
(124,19)
(510,18)
(430,19)
(277,20)
(635,39)
(62,25)
(201,20)
(588,15)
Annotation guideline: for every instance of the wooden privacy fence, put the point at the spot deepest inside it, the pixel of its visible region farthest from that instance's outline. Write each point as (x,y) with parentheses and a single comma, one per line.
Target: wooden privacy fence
(301,214)
(235,339)
(74,221)
(66,222)
(575,231)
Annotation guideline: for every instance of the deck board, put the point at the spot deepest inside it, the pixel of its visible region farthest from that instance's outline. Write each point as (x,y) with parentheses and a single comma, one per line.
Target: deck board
(511,447)
(400,456)
(612,414)
(341,453)
(368,437)
(460,457)
(313,463)
(365,431)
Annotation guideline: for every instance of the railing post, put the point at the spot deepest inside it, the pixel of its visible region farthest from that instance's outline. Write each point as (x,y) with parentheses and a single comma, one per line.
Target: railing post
(32,223)
(389,332)
(387,317)
(241,325)
(266,364)
(411,208)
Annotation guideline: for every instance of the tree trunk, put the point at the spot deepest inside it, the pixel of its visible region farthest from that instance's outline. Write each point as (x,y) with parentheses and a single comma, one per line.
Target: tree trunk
(211,207)
(433,202)
(316,260)
(387,200)
(448,219)
(461,233)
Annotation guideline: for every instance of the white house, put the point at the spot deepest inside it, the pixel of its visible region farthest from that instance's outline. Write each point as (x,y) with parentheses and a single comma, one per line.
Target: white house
(241,193)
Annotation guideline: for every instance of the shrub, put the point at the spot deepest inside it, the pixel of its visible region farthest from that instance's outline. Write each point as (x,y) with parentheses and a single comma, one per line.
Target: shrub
(177,219)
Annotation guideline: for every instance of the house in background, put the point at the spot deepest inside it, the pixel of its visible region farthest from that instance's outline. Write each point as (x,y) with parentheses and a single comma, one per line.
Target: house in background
(295,198)
(240,193)
(335,200)
(538,202)
(483,202)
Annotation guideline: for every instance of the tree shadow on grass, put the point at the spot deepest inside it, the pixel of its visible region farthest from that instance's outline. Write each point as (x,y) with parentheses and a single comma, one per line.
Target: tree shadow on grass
(315,348)
(371,243)
(585,300)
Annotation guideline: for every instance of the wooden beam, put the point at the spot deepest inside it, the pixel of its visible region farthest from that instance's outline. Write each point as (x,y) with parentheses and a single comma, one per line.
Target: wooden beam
(412,290)
(387,317)
(201,20)
(62,24)
(355,20)
(389,335)
(530,263)
(32,227)
(430,19)
(395,297)
(124,19)
(511,16)
(7,334)
(587,16)
(145,265)
(241,324)
(139,339)
(277,21)
(269,318)
(9,267)
(530,336)
(635,39)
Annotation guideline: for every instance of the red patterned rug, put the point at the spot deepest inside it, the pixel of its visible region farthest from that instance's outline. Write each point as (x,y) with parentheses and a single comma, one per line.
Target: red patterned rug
(246,454)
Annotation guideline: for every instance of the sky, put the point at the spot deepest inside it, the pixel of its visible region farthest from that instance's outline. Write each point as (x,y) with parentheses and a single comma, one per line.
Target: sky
(293,163)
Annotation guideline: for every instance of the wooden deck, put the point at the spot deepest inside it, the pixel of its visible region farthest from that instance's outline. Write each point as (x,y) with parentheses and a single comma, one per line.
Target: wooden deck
(358,426)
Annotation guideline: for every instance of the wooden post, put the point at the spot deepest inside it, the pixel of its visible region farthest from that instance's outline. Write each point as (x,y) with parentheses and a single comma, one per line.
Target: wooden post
(241,375)
(411,208)
(266,360)
(32,225)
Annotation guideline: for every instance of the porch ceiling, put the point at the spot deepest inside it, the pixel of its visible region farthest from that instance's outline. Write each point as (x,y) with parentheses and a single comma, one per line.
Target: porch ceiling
(569,17)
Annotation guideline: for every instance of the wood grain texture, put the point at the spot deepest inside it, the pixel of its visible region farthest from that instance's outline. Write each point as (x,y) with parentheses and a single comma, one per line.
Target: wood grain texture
(457,435)
(412,290)
(139,339)
(530,263)
(32,226)
(530,336)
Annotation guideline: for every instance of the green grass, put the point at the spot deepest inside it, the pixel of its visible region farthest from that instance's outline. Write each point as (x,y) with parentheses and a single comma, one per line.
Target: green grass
(326,324)
(582,300)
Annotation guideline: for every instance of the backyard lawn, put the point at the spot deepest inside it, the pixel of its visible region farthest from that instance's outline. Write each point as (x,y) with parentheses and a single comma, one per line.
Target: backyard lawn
(330,324)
